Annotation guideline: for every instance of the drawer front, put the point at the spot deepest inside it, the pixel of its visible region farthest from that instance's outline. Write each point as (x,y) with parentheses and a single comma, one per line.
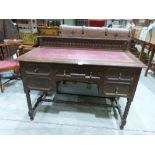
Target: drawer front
(76,69)
(124,74)
(116,89)
(38,83)
(37,69)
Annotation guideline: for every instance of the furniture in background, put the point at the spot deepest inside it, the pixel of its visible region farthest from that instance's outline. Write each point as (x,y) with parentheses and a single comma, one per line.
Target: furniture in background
(12,43)
(144,41)
(22,49)
(96,22)
(27,30)
(3,51)
(81,22)
(49,22)
(102,60)
(51,31)
(151,52)
(7,63)
(8,30)
(49,26)
(28,33)
(29,25)
(95,32)
(29,38)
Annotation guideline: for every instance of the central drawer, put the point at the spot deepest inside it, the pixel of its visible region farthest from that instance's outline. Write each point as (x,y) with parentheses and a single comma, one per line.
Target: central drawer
(37,69)
(76,70)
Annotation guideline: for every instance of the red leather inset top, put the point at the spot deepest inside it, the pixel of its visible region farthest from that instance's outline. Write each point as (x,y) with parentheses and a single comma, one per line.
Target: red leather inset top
(79,54)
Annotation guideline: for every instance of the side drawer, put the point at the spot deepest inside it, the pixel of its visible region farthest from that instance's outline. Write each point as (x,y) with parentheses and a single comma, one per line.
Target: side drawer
(116,89)
(121,74)
(38,83)
(37,69)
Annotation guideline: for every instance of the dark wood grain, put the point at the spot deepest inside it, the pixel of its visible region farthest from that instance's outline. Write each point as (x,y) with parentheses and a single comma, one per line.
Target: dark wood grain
(114,78)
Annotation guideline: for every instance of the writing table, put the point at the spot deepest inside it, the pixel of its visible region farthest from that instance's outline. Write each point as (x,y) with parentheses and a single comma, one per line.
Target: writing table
(115,72)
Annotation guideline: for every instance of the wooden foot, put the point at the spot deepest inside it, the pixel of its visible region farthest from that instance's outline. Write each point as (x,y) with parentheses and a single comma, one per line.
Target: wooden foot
(125,114)
(29,104)
(31,115)
(123,122)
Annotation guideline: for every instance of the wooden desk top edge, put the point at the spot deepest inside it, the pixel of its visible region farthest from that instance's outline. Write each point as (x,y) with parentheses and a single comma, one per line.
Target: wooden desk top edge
(136,63)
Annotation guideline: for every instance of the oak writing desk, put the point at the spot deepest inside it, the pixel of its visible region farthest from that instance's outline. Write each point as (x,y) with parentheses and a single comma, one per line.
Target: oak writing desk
(103,62)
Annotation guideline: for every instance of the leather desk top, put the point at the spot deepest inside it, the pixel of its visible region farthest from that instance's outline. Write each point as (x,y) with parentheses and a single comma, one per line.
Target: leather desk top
(81,56)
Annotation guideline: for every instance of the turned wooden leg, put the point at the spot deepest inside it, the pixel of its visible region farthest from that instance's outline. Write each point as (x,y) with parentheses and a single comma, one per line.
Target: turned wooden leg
(114,107)
(1,86)
(30,112)
(124,117)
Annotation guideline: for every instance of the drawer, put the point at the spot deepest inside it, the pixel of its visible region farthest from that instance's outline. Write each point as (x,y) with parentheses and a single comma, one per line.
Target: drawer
(116,89)
(38,83)
(38,69)
(124,74)
(76,69)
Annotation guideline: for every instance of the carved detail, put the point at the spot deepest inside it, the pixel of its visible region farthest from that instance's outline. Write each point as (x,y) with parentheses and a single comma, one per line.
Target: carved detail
(83,42)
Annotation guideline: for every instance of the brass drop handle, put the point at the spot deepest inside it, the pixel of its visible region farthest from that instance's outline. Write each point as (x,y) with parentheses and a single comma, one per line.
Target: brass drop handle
(36,69)
(120,75)
(90,74)
(64,72)
(116,90)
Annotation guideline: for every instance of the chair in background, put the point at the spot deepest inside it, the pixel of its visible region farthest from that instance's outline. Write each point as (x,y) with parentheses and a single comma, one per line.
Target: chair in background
(3,51)
(12,43)
(151,58)
(151,52)
(22,49)
(145,44)
(7,63)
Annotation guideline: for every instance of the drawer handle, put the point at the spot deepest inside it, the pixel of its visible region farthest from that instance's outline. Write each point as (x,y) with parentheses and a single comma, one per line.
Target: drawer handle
(90,74)
(116,90)
(64,72)
(77,75)
(36,70)
(73,74)
(120,75)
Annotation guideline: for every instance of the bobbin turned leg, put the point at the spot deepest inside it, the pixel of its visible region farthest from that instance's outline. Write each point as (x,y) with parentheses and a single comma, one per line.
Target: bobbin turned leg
(29,104)
(124,117)
(1,85)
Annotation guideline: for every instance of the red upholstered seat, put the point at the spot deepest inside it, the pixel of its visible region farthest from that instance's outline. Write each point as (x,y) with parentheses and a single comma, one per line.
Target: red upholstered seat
(6,65)
(9,65)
